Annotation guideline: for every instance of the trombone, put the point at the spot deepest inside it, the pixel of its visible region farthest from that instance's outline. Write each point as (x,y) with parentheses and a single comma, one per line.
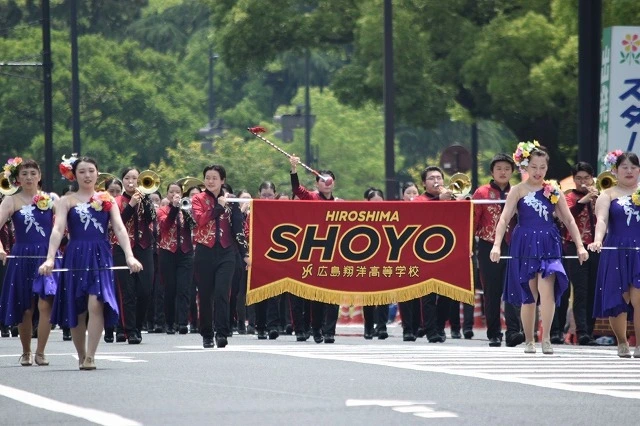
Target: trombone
(189,182)
(606,180)
(103,178)
(148,182)
(6,188)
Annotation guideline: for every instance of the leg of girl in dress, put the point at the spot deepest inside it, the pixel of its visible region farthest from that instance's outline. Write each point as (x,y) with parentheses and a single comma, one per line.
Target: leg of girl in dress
(543,288)
(96,324)
(635,302)
(79,337)
(44,328)
(24,329)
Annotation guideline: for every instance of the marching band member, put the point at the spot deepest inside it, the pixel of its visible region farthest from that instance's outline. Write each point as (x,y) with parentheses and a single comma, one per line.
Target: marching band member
(485,220)
(87,287)
(193,289)
(378,315)
(618,284)
(536,269)
(7,240)
(324,316)
(581,202)
(438,308)
(138,214)
(31,212)
(175,258)
(219,234)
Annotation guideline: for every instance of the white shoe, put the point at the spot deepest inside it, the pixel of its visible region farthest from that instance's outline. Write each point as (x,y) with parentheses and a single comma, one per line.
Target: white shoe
(624,351)
(530,348)
(636,353)
(547,349)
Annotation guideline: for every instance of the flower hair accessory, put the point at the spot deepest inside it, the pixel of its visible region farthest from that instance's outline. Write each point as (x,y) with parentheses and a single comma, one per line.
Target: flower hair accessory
(101,201)
(66,167)
(43,201)
(11,170)
(610,159)
(523,153)
(551,190)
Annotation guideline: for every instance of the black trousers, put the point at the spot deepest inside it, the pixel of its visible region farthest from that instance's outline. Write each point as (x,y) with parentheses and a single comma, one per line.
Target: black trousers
(300,313)
(324,316)
(193,301)
(176,270)
(268,314)
(583,279)
(155,310)
(411,315)
(378,315)
(241,301)
(213,272)
(492,276)
(134,289)
(235,290)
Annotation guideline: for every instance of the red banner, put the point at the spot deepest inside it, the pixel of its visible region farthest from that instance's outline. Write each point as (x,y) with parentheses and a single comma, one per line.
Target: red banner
(360,252)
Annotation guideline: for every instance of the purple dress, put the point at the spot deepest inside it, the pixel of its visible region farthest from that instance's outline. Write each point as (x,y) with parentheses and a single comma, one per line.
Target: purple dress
(88,255)
(22,283)
(536,247)
(618,269)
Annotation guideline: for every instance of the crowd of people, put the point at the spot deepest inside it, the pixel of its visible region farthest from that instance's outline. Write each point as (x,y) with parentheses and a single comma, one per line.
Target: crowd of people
(122,260)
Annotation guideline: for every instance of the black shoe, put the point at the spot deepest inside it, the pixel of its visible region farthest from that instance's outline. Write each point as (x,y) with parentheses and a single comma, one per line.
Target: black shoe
(66,335)
(421,332)
(468,334)
(368,334)
(207,342)
(242,330)
(317,337)
(302,337)
(408,337)
(183,329)
(120,337)
(158,328)
(382,334)
(557,339)
(4,332)
(329,338)
(273,334)
(514,339)
(134,339)
(193,329)
(586,340)
(262,335)
(108,335)
(436,338)
(251,329)
(494,342)
(146,328)
(456,334)
(221,341)
(14,331)
(171,330)
(288,330)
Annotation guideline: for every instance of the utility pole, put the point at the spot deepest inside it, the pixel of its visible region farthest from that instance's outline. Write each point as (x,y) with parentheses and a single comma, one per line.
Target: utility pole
(75,80)
(48,96)
(391,187)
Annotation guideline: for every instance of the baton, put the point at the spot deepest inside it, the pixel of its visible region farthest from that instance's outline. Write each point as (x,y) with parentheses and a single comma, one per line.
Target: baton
(89,269)
(540,258)
(12,256)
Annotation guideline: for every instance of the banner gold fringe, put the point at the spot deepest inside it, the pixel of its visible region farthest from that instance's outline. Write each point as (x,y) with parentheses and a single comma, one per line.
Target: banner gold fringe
(403,294)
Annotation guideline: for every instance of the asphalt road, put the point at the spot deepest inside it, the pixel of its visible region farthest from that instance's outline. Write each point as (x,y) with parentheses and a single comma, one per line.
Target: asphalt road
(172,380)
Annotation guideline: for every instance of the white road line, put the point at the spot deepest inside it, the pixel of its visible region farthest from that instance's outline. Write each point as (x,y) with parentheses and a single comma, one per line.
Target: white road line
(89,414)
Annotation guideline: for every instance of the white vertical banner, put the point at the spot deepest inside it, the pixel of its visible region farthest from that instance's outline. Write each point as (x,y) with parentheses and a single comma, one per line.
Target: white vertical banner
(619,91)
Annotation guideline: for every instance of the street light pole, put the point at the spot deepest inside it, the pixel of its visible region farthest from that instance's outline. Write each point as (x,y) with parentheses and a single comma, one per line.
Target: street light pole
(307,112)
(75,81)
(391,188)
(48,96)
(212,101)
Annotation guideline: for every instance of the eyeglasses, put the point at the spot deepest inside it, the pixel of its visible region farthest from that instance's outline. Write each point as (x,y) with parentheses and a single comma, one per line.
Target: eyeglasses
(434,178)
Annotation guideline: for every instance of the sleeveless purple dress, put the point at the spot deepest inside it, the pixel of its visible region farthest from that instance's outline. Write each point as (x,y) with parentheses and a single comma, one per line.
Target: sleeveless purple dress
(22,282)
(88,255)
(536,247)
(618,269)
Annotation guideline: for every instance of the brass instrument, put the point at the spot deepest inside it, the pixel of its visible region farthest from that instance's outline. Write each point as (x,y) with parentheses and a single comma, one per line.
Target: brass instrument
(6,188)
(460,184)
(103,178)
(606,180)
(189,182)
(148,182)
(185,203)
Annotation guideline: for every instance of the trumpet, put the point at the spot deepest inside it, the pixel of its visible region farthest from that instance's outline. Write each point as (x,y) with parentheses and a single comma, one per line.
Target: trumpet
(6,188)
(606,180)
(185,203)
(148,182)
(460,184)
(103,178)
(189,182)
